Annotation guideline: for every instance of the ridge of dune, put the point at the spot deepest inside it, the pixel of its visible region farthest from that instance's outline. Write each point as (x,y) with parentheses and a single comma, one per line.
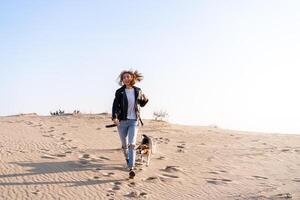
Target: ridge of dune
(76,157)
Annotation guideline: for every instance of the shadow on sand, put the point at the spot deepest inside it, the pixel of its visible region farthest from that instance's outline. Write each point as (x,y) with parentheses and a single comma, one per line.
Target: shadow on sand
(46,168)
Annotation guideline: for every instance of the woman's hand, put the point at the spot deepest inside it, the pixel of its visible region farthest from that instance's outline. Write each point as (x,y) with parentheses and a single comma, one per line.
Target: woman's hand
(144,97)
(143,100)
(116,122)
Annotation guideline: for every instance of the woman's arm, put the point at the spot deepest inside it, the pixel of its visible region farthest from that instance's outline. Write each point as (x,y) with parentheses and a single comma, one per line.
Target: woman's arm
(115,107)
(143,101)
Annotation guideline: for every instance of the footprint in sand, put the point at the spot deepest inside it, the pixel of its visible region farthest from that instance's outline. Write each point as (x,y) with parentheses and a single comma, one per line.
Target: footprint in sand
(47,136)
(28,123)
(296,179)
(83,161)
(37,125)
(172,169)
(96,160)
(159,140)
(44,149)
(170,176)
(143,194)
(132,194)
(35,192)
(166,140)
(63,143)
(107,174)
(86,155)
(132,184)
(138,163)
(60,155)
(285,150)
(104,158)
(165,178)
(181,148)
(152,179)
(117,183)
(213,172)
(226,180)
(48,157)
(260,177)
(283,196)
(210,158)
(162,140)
(212,182)
(111,194)
(218,181)
(161,158)
(136,194)
(116,187)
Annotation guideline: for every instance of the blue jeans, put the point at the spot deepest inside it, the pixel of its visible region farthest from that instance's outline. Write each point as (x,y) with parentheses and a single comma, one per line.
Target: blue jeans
(128,131)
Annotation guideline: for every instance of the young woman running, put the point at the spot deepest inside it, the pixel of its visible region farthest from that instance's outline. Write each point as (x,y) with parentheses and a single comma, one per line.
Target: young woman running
(126,114)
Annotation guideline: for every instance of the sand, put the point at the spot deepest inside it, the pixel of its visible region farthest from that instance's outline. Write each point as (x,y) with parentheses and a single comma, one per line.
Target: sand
(76,157)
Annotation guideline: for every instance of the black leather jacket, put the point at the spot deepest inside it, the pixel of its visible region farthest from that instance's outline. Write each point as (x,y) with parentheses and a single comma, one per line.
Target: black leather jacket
(120,104)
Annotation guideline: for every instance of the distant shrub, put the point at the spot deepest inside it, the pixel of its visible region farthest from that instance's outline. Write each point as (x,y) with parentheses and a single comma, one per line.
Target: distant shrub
(160,115)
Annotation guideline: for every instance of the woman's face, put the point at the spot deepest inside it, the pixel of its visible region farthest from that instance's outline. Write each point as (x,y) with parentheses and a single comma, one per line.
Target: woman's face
(127,78)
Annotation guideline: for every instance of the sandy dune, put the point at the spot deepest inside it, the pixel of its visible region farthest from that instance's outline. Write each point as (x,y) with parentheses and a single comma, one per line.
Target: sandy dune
(76,157)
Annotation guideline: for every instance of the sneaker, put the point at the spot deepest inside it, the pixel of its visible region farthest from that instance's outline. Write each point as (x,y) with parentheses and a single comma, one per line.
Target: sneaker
(131,174)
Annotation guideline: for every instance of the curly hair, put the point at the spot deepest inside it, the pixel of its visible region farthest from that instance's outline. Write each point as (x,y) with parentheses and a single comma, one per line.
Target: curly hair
(137,76)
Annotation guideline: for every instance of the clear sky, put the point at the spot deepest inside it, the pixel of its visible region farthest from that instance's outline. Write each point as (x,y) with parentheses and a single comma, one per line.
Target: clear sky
(235,64)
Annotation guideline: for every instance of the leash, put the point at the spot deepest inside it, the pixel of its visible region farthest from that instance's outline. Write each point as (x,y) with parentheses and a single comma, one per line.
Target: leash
(113,125)
(110,125)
